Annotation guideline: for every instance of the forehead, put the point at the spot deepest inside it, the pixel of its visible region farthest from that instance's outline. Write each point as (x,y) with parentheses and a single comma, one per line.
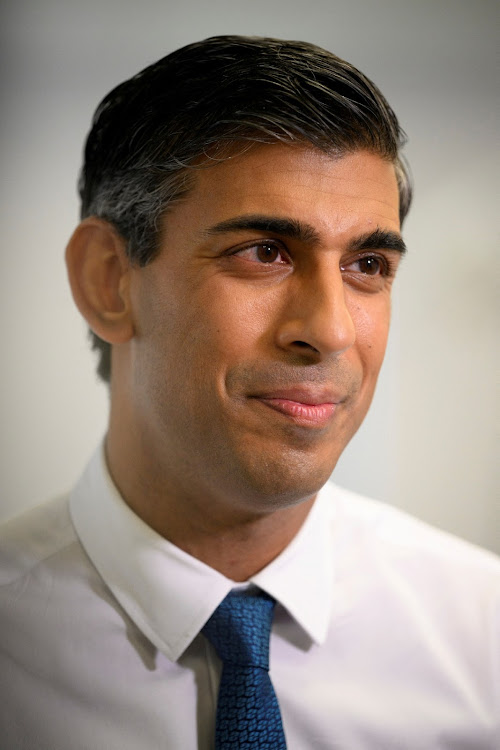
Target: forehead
(295,182)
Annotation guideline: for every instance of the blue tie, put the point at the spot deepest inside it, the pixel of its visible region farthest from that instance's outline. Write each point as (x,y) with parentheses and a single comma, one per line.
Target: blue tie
(248,714)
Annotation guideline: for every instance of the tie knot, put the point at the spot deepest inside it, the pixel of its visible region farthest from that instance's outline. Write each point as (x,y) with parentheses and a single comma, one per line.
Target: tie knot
(239,628)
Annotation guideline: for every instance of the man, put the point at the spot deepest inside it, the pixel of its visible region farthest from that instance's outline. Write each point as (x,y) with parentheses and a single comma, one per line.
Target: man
(242,202)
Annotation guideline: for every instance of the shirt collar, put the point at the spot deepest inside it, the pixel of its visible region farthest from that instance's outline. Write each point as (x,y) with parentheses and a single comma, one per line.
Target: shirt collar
(170,594)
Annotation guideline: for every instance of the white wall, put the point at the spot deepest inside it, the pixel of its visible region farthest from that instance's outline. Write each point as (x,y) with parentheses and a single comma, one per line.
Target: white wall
(428,444)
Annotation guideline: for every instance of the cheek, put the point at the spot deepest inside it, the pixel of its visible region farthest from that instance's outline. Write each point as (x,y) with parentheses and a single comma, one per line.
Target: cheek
(371,320)
(230,320)
(199,325)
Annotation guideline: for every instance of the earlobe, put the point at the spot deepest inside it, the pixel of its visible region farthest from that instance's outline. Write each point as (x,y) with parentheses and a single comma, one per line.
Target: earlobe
(99,276)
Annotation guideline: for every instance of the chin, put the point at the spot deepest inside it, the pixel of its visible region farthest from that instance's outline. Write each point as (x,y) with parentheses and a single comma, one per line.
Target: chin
(275,484)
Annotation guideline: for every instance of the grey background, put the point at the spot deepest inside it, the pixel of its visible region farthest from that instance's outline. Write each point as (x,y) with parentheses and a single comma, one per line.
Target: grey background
(428,445)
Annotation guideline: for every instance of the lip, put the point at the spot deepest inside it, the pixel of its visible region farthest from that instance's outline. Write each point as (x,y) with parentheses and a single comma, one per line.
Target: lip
(306,407)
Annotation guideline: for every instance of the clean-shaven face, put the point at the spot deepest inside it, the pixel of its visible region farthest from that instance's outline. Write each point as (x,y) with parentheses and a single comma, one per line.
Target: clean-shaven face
(261,325)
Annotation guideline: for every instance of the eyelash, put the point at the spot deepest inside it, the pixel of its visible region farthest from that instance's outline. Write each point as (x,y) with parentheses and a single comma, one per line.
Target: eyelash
(265,244)
(387,264)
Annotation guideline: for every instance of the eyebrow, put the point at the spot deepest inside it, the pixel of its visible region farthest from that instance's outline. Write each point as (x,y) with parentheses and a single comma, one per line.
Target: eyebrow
(297,230)
(292,228)
(378,240)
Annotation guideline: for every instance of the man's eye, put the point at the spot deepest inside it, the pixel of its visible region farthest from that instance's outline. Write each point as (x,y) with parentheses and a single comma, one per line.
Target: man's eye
(370,265)
(264,252)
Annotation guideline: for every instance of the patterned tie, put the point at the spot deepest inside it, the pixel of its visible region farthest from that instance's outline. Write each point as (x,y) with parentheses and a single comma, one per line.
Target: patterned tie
(248,714)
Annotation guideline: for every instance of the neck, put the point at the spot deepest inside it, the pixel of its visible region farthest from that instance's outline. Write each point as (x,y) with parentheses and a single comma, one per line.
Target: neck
(241,551)
(237,544)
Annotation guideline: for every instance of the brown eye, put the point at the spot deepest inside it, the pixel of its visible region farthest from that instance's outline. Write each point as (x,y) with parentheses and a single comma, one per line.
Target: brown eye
(371,265)
(267,253)
(264,253)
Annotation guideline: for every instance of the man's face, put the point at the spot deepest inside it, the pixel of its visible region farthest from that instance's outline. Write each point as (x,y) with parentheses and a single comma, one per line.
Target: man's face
(261,325)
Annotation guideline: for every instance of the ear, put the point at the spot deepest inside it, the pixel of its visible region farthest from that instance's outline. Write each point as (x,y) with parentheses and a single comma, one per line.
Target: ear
(99,276)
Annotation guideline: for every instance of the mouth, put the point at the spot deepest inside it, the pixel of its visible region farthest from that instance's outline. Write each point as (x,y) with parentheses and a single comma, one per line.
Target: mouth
(301,406)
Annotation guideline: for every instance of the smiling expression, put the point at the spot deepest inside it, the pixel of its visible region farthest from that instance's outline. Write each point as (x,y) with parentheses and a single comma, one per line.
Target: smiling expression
(261,325)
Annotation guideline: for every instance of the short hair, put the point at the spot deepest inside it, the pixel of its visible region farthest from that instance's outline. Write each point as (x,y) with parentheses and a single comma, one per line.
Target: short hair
(197,105)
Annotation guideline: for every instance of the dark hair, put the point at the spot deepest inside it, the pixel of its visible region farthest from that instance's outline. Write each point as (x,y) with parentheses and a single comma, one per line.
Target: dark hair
(191,109)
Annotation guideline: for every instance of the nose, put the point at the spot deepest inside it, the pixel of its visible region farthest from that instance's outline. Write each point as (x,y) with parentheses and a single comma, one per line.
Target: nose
(316,318)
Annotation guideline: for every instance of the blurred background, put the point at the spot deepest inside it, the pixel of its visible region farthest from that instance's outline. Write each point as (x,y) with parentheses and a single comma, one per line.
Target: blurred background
(428,444)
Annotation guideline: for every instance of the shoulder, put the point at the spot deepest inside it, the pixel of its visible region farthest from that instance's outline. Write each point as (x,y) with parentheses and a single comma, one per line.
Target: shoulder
(33,538)
(401,532)
(421,585)
(48,586)
(383,538)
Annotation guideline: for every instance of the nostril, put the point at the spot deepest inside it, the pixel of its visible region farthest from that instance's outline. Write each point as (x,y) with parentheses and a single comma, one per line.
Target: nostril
(305,345)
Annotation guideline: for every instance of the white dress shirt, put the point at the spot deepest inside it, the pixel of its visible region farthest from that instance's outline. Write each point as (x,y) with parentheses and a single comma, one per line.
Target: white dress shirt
(385,637)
